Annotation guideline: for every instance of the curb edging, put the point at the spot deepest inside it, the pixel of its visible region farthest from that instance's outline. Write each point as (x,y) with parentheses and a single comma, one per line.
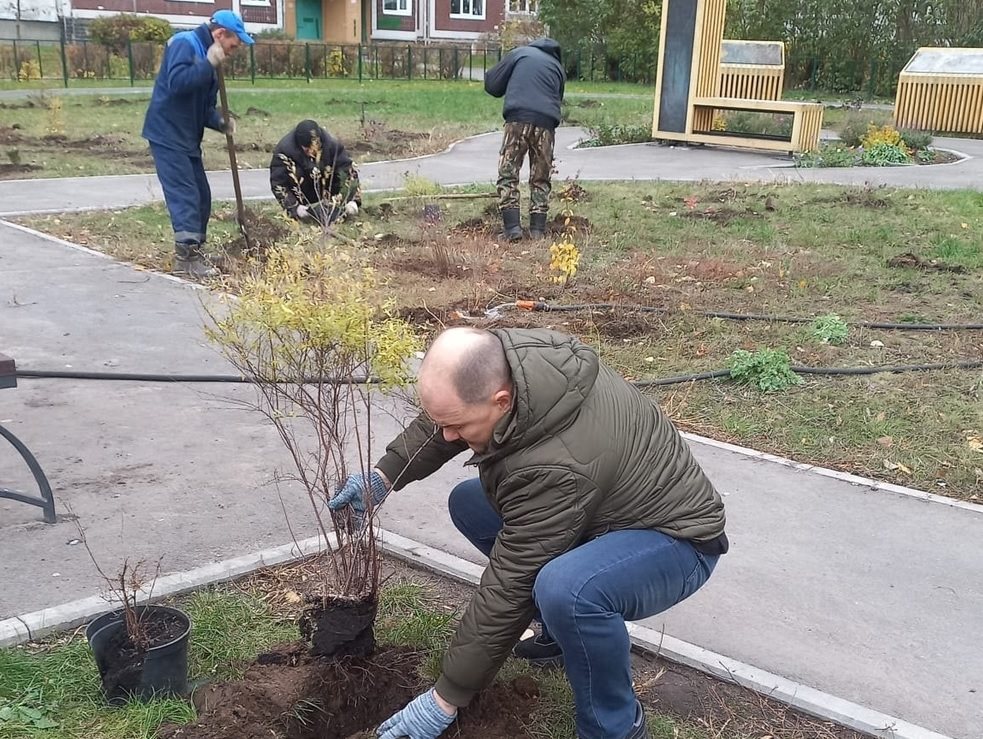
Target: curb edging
(30,626)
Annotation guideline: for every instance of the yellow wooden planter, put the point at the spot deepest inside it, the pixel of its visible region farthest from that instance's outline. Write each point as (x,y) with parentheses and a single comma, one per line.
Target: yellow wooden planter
(752,70)
(688,86)
(941,90)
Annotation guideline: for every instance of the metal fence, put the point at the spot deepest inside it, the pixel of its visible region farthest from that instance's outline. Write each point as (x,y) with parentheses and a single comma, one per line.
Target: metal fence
(137,62)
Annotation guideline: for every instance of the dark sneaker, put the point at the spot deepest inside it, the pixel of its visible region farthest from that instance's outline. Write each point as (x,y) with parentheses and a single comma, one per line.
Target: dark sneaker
(639,729)
(539,651)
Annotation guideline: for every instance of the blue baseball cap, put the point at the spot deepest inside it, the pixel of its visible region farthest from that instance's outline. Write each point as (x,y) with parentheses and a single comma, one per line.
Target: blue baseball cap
(232,22)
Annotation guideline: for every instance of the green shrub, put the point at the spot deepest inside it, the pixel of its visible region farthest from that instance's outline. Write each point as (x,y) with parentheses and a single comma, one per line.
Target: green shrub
(917,140)
(829,155)
(769,370)
(885,155)
(829,329)
(765,124)
(855,127)
(116,30)
(611,135)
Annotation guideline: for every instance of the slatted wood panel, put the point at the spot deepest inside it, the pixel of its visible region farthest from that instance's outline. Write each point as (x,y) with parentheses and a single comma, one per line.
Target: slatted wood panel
(940,103)
(688,84)
(751,82)
(710,34)
(807,122)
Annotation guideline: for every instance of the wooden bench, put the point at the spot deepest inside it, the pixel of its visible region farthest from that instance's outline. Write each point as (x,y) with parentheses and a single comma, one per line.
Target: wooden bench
(8,379)
(807,122)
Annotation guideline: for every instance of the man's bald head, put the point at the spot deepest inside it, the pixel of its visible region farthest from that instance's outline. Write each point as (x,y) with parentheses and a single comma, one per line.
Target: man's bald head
(468,361)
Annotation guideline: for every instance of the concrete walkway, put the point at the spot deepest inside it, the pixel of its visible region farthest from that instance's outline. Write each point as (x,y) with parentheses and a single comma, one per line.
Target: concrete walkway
(869,594)
(475,160)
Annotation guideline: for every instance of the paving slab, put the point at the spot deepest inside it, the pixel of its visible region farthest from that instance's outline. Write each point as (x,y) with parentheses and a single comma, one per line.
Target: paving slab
(871,595)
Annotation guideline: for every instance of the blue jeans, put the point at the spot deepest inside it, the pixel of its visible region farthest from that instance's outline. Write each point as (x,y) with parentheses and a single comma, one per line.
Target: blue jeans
(186,193)
(584,598)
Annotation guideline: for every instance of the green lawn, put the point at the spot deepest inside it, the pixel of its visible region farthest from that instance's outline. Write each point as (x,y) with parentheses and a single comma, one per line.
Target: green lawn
(896,256)
(100,134)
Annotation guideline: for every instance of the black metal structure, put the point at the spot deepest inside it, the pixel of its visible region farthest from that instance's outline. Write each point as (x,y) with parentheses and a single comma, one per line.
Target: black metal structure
(8,379)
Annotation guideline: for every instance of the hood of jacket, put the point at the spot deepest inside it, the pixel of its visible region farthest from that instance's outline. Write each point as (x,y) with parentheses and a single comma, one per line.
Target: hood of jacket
(552,373)
(550,46)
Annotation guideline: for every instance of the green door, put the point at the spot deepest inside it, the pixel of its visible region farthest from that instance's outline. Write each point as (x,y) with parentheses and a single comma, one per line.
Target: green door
(308,20)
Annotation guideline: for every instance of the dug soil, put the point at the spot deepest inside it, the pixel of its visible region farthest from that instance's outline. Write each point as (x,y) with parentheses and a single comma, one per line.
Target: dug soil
(289,694)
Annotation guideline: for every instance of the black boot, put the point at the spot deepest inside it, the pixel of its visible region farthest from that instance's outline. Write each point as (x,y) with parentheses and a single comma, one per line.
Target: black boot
(190,260)
(539,650)
(537,225)
(511,227)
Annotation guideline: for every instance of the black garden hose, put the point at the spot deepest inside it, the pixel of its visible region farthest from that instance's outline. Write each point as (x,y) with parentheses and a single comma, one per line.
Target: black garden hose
(543,307)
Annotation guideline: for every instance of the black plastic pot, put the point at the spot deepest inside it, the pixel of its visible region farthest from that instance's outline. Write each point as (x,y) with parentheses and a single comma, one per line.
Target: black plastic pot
(160,670)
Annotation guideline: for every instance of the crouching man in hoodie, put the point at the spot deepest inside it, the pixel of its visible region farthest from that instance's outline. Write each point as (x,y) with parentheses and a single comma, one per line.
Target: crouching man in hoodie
(531,78)
(313,177)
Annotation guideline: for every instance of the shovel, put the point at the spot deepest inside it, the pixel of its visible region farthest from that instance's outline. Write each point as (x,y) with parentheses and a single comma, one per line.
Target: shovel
(230,144)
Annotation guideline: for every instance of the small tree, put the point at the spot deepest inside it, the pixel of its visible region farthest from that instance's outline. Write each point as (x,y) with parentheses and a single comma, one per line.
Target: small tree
(319,345)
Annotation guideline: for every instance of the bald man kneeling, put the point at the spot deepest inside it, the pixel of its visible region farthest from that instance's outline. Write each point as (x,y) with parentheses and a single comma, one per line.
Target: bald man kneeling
(588,504)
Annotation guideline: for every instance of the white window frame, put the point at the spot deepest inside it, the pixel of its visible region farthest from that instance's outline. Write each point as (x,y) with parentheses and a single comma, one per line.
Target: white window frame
(407,8)
(469,15)
(255,3)
(527,7)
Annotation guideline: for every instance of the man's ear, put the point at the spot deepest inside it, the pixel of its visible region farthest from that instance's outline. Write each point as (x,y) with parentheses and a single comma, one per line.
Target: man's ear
(503,400)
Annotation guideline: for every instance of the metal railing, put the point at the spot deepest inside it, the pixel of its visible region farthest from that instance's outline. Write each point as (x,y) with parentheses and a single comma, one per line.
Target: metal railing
(137,62)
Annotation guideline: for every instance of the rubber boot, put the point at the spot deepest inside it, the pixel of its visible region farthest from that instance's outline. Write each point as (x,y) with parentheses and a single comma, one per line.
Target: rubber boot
(537,225)
(189,260)
(511,227)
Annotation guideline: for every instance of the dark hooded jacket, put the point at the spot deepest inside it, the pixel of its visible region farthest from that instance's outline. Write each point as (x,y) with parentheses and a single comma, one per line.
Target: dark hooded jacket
(532,80)
(298,179)
(582,453)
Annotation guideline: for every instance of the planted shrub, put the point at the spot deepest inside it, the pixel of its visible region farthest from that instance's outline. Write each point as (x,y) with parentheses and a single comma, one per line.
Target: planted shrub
(917,140)
(829,155)
(856,125)
(885,155)
(877,135)
(610,135)
(769,370)
(829,329)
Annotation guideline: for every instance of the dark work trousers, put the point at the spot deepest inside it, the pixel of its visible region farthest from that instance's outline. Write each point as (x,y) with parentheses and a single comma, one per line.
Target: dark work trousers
(186,193)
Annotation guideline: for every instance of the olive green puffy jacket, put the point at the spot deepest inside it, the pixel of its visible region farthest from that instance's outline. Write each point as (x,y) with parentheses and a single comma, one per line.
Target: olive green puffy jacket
(581,454)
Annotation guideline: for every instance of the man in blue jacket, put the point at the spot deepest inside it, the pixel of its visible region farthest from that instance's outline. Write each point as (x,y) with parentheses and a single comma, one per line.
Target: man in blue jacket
(181,107)
(531,78)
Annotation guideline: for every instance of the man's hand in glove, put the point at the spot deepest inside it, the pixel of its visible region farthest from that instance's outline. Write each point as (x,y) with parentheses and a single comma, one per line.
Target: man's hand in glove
(215,54)
(302,212)
(228,126)
(352,495)
(423,718)
(351,209)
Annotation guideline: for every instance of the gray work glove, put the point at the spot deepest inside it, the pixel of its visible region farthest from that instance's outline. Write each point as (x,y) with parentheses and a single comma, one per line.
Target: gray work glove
(215,54)
(352,494)
(351,208)
(228,126)
(421,719)
(302,212)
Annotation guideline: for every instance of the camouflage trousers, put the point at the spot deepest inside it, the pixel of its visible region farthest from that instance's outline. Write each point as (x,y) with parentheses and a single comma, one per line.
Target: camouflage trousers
(519,139)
